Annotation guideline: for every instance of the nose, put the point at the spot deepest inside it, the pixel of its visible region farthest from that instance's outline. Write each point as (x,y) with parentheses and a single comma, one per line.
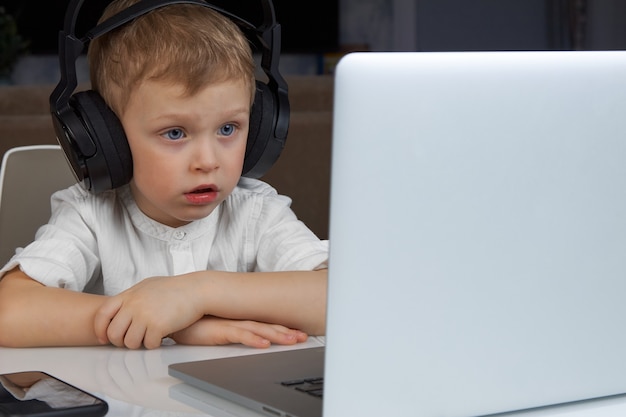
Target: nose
(205,156)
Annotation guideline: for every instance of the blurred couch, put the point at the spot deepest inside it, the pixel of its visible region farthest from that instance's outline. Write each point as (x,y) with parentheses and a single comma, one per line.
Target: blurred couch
(302,172)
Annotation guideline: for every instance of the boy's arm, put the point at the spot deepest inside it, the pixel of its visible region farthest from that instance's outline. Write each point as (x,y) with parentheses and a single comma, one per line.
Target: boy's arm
(293,299)
(158,306)
(32,314)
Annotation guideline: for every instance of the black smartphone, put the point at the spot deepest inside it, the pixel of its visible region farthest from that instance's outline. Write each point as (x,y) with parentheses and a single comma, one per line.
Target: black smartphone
(38,394)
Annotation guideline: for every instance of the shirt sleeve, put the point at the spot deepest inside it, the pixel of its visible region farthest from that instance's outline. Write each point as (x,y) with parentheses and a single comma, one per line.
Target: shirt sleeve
(282,242)
(64,252)
(287,244)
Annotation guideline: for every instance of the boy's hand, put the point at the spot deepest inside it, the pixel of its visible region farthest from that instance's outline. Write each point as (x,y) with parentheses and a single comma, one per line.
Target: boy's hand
(147,312)
(218,331)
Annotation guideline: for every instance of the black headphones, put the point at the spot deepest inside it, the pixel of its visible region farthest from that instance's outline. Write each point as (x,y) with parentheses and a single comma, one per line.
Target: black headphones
(92,136)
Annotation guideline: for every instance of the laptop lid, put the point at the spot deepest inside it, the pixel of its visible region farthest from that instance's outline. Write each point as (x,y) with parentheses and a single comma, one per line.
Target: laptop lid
(477,232)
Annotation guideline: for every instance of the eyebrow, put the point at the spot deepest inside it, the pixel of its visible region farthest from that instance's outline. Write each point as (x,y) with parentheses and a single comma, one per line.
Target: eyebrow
(173,115)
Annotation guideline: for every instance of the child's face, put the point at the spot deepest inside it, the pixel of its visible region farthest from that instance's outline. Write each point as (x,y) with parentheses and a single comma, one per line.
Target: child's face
(187,151)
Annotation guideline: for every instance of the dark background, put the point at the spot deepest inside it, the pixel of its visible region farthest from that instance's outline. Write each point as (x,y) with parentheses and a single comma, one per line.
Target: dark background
(306,27)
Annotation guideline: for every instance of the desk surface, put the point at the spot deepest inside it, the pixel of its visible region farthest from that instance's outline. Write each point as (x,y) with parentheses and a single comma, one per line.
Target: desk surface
(133,382)
(136,382)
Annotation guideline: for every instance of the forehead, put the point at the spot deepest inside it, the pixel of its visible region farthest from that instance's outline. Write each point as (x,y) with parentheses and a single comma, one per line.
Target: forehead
(174,88)
(180,90)
(154,99)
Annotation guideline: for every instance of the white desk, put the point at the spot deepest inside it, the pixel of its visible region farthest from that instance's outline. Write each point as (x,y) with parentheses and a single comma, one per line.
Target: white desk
(136,383)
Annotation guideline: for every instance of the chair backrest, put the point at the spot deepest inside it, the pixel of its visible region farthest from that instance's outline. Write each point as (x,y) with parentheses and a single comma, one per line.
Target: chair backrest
(28,177)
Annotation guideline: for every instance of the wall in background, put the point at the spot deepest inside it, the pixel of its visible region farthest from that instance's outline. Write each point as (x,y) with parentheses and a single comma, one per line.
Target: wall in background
(308,33)
(446,25)
(306,29)
(605,25)
(418,25)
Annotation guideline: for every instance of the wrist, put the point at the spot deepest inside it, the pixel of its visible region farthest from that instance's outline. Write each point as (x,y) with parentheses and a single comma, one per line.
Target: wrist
(206,291)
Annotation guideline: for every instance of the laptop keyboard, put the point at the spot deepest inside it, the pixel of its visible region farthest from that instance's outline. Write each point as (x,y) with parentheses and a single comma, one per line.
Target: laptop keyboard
(311,386)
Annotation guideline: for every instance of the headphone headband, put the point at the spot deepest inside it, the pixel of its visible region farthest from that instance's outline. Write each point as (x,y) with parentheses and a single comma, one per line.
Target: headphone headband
(70,46)
(145,6)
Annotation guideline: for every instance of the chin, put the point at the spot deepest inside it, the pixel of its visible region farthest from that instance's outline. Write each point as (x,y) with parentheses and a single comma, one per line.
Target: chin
(196,213)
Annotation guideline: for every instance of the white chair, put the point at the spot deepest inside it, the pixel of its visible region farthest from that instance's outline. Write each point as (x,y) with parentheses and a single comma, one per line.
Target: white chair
(28,177)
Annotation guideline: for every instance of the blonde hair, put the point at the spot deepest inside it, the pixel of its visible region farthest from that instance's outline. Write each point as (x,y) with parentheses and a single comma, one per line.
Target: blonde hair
(181,43)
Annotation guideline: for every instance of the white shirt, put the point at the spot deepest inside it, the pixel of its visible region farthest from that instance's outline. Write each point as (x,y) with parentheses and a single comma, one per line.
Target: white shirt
(103,243)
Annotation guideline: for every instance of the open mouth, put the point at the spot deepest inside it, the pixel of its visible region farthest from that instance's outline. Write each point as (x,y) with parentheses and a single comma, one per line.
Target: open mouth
(203,190)
(203,194)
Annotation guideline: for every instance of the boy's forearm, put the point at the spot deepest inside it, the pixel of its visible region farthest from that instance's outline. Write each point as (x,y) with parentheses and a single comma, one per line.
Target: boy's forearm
(293,299)
(34,315)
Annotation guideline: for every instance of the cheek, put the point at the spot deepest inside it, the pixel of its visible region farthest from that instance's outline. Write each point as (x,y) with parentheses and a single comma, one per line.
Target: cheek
(242,153)
(239,158)
(242,150)
(147,164)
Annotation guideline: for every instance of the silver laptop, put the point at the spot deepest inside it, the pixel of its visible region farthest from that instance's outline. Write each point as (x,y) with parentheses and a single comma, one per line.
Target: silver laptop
(478,240)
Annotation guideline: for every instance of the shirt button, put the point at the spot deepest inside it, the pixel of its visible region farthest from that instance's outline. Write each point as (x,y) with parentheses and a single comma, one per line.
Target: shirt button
(179,234)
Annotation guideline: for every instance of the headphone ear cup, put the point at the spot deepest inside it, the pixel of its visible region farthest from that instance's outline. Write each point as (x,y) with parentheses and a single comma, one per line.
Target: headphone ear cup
(262,148)
(111,165)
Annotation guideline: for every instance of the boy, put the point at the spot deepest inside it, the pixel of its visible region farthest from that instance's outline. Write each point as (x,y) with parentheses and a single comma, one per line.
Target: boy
(148,260)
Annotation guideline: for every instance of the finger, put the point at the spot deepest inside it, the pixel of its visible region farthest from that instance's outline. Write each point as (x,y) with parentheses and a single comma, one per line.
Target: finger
(284,338)
(245,337)
(153,338)
(301,336)
(135,334)
(276,333)
(298,335)
(103,318)
(118,326)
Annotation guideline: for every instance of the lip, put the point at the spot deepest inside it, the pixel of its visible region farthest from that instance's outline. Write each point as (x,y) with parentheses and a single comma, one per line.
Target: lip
(203,194)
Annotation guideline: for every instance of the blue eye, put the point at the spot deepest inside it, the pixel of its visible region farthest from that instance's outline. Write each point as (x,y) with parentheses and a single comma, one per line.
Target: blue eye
(174,134)
(227,130)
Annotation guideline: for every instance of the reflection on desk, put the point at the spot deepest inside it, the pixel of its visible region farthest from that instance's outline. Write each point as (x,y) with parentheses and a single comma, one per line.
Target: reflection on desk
(133,382)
